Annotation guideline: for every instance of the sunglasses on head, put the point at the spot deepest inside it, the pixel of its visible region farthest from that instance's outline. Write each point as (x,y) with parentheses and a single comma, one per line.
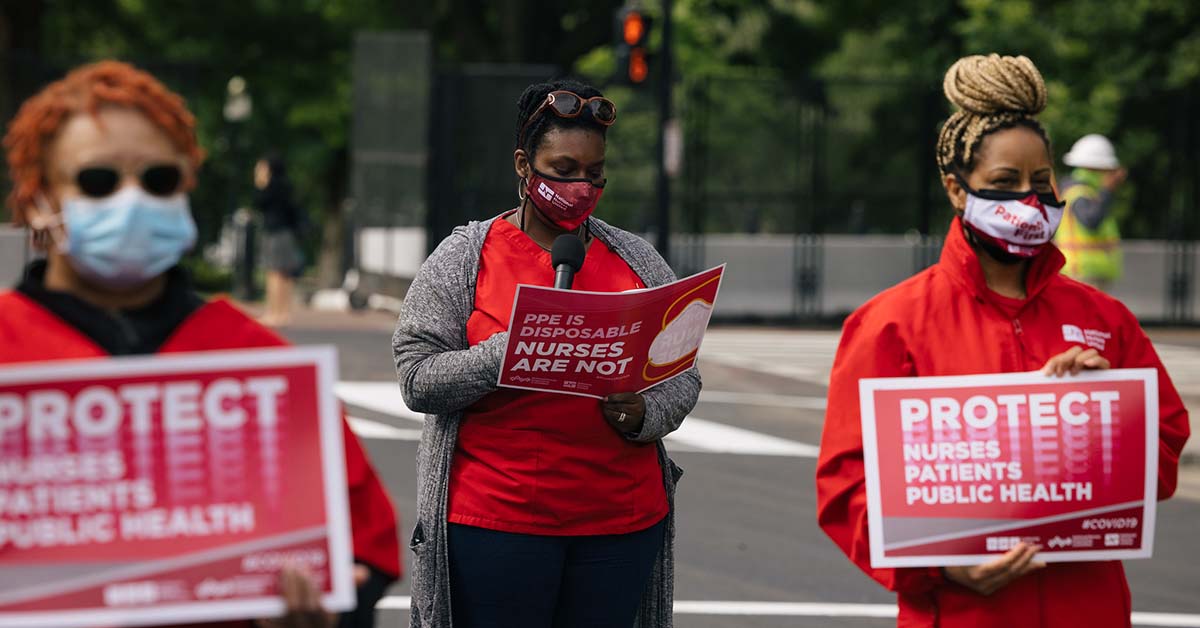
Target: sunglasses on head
(566,104)
(102,181)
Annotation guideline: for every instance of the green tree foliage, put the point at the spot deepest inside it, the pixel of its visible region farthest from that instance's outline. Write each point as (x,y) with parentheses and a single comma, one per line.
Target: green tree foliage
(863,79)
(798,114)
(1128,70)
(294,56)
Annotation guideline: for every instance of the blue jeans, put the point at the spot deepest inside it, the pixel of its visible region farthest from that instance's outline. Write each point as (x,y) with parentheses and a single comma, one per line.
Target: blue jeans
(505,580)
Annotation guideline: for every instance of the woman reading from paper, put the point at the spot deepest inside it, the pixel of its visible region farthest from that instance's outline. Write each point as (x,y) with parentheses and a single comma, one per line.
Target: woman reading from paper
(536,509)
(102,162)
(995,303)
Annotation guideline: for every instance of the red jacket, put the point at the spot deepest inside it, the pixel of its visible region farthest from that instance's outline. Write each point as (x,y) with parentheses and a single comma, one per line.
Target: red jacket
(945,321)
(29,332)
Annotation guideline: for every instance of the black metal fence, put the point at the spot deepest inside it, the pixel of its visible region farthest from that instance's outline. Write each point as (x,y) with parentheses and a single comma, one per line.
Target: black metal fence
(473,136)
(770,155)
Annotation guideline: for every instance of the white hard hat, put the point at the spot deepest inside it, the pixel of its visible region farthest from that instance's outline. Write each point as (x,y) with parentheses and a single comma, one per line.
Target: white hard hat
(1092,151)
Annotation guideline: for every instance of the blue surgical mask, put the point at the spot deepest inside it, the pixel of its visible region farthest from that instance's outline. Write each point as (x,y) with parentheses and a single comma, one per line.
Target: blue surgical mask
(128,238)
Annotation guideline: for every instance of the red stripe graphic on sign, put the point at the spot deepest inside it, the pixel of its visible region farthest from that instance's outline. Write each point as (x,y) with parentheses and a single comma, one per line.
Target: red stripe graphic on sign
(1114,530)
(246,571)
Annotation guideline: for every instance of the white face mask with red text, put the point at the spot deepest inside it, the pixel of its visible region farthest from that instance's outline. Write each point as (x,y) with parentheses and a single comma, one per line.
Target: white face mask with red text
(1020,224)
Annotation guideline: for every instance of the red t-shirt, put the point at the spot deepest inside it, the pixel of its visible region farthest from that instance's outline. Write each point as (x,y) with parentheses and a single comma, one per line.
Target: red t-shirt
(543,463)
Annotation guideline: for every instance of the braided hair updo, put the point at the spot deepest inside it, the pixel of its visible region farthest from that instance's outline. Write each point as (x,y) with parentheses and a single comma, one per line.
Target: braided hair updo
(992,93)
(534,96)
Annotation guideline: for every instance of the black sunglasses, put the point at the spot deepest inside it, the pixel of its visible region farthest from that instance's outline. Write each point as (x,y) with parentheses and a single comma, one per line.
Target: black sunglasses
(102,181)
(566,104)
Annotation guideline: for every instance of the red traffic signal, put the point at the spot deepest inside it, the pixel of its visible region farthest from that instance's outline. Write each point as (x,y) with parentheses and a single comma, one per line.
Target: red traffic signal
(633,28)
(632,36)
(638,69)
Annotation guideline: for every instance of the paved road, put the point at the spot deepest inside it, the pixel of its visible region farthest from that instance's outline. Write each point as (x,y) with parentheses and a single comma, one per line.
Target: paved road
(746,505)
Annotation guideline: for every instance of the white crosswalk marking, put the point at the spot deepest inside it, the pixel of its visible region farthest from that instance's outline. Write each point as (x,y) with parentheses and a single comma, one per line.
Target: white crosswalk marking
(803,355)
(366,428)
(762,399)
(701,435)
(381,397)
(1183,365)
(696,434)
(819,609)
(808,355)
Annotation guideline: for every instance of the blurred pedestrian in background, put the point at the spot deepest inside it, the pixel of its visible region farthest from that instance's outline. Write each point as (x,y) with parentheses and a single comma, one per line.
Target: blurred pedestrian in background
(996,302)
(1090,237)
(537,509)
(102,162)
(283,226)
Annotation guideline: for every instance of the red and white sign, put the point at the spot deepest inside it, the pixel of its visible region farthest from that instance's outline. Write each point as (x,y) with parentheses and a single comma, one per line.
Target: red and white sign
(159,490)
(960,469)
(596,343)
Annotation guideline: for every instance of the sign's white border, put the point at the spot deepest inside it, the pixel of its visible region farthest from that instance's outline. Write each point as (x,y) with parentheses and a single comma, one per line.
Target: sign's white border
(342,595)
(867,389)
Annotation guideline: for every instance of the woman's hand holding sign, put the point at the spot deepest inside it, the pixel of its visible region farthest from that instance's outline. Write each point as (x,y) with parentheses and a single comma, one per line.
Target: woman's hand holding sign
(302,601)
(988,578)
(1074,360)
(624,412)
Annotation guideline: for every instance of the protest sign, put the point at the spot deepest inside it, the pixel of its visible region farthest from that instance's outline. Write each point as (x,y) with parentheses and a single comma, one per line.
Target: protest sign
(959,469)
(161,490)
(596,343)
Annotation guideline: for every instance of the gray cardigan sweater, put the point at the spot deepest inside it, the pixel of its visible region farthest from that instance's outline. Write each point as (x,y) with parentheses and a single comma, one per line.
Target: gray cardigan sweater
(441,375)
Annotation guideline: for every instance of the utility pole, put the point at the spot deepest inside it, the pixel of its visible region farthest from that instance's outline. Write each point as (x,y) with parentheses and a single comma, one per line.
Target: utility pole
(663,185)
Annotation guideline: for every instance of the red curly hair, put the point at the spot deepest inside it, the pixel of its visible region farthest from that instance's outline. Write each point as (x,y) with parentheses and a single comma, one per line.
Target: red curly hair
(87,89)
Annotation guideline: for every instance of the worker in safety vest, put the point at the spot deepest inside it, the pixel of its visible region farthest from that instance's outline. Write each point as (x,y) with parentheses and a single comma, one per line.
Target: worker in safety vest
(1089,236)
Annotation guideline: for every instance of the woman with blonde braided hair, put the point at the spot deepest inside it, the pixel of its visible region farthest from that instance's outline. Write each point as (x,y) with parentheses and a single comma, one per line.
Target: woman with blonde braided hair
(995,303)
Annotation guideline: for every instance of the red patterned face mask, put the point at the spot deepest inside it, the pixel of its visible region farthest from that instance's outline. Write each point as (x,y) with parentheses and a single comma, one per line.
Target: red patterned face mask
(566,203)
(1019,224)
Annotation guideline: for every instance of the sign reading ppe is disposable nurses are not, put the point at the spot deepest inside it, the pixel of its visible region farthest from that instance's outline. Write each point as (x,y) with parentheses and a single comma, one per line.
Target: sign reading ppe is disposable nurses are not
(959,469)
(596,343)
(170,490)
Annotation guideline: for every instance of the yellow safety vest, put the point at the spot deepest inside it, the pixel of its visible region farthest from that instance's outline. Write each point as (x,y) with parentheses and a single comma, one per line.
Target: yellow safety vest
(1092,254)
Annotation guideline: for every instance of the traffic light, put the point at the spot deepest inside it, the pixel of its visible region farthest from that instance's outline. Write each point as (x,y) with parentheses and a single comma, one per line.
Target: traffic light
(633,33)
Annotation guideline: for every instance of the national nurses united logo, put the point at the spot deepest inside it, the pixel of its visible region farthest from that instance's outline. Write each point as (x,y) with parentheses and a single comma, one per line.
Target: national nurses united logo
(1093,338)
(553,197)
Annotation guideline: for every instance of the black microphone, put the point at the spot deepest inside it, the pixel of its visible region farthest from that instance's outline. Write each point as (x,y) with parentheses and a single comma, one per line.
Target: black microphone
(566,255)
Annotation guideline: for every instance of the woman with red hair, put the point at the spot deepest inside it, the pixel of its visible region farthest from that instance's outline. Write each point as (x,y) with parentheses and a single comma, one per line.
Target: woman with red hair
(102,162)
